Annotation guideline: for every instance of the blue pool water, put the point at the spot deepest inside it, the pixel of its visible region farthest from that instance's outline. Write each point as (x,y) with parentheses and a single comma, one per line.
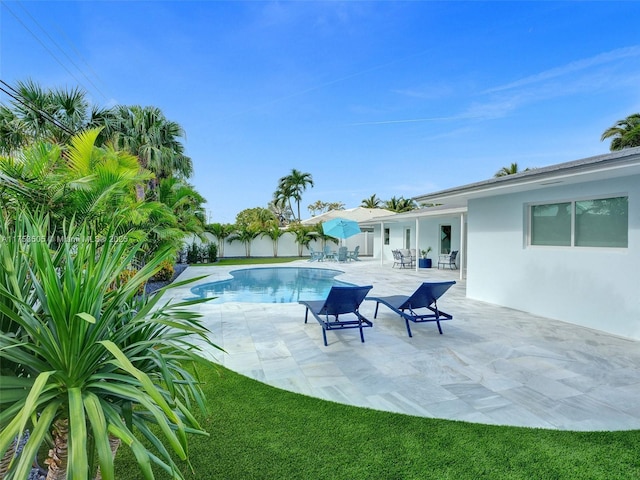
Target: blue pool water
(271,285)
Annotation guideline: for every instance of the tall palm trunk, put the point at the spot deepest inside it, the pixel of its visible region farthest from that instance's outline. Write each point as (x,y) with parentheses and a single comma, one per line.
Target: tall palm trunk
(58,455)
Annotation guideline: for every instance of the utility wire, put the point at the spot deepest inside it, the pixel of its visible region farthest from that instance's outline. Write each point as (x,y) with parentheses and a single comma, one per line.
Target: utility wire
(61,49)
(16,96)
(41,43)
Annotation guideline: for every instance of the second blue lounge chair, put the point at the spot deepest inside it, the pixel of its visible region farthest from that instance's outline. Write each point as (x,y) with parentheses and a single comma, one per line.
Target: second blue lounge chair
(426,296)
(341,301)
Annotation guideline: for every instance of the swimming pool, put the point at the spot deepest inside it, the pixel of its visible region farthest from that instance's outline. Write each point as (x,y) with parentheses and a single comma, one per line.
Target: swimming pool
(271,285)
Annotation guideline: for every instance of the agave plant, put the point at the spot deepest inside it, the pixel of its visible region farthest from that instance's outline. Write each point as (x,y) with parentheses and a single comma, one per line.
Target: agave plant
(86,360)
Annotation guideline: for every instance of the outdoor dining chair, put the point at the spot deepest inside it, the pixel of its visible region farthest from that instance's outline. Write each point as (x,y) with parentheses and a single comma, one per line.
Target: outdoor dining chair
(448,259)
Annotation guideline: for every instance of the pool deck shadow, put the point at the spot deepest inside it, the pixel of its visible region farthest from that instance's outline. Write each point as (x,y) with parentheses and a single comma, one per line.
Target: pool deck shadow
(492,365)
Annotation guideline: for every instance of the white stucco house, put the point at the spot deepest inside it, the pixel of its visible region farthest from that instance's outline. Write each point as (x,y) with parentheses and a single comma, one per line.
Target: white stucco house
(561,241)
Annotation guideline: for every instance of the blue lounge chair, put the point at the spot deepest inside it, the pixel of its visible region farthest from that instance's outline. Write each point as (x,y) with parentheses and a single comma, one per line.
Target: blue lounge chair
(426,296)
(340,301)
(343,254)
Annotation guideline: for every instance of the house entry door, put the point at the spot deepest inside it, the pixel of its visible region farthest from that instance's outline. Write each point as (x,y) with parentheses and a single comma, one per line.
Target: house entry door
(445,239)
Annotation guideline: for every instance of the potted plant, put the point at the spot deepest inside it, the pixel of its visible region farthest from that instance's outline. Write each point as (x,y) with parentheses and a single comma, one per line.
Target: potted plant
(425,261)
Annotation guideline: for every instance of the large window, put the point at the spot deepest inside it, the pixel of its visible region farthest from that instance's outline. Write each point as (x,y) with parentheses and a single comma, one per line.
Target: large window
(551,224)
(600,222)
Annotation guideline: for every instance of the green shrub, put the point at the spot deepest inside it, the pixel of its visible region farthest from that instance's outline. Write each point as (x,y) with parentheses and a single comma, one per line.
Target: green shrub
(212,251)
(86,362)
(165,273)
(124,277)
(193,253)
(203,254)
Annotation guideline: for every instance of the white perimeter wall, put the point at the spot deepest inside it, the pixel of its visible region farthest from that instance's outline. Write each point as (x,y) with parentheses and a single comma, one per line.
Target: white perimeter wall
(287,245)
(594,287)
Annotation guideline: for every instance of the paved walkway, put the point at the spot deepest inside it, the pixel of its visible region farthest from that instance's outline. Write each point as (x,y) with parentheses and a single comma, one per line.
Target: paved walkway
(492,365)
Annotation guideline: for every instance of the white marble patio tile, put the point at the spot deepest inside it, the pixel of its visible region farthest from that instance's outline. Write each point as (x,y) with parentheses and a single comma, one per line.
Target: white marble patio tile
(551,388)
(242,361)
(272,350)
(239,344)
(296,383)
(344,393)
(492,365)
(516,415)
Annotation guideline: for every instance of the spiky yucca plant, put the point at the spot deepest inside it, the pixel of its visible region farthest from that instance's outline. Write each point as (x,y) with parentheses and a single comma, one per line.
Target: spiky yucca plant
(89,364)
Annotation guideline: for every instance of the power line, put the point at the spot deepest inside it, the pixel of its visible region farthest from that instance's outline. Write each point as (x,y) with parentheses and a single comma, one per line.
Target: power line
(79,55)
(16,96)
(41,43)
(61,49)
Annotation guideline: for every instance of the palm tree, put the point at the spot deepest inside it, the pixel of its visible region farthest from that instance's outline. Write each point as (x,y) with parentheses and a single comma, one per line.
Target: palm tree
(274,232)
(319,233)
(400,205)
(53,115)
(146,133)
(185,203)
(220,231)
(245,234)
(99,185)
(510,170)
(302,234)
(87,182)
(371,202)
(624,134)
(291,187)
(89,361)
(281,210)
(13,135)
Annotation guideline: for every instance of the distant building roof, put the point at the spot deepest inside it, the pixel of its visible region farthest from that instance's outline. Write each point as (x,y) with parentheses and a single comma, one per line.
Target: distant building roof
(358,214)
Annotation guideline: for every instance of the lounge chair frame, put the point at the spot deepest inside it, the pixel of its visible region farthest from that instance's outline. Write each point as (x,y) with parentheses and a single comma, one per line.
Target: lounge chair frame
(425,297)
(341,301)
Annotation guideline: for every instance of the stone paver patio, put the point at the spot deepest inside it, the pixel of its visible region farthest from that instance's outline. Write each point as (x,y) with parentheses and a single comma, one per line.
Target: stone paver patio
(492,365)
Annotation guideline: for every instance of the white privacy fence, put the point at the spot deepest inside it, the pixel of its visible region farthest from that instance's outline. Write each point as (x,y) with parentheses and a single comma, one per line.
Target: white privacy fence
(287,245)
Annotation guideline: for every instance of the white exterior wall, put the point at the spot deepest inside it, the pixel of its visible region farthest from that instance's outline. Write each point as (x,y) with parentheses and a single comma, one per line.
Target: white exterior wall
(593,287)
(429,236)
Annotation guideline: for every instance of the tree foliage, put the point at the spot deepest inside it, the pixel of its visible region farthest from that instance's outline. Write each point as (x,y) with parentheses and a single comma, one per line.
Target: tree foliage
(221,231)
(400,204)
(624,134)
(303,235)
(510,170)
(83,356)
(291,187)
(319,206)
(155,140)
(371,202)
(256,218)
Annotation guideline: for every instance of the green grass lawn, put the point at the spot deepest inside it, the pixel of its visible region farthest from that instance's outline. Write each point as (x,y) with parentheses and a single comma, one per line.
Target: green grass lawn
(260,432)
(223,262)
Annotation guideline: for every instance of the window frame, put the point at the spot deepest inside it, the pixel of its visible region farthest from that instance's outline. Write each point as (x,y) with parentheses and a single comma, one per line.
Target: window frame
(572,202)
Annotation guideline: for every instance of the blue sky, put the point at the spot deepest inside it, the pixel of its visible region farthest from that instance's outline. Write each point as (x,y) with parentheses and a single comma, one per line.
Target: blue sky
(392,98)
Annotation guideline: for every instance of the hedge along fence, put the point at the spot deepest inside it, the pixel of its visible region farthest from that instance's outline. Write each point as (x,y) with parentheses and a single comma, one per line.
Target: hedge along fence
(287,245)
